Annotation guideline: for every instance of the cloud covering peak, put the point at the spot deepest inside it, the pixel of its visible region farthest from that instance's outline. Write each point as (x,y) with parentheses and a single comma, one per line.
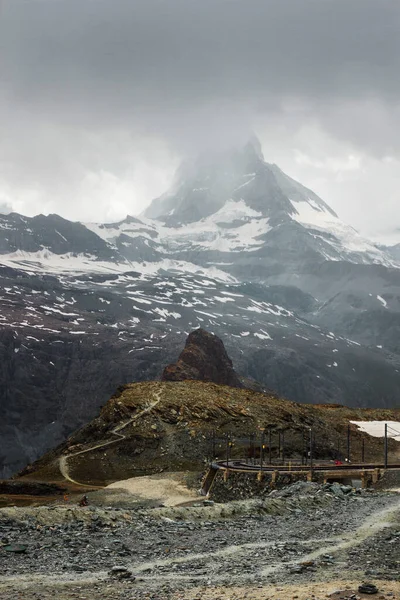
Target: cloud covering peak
(100,100)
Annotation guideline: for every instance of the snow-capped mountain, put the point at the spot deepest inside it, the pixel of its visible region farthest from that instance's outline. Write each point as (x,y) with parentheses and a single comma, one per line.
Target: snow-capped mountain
(303,303)
(230,207)
(238,202)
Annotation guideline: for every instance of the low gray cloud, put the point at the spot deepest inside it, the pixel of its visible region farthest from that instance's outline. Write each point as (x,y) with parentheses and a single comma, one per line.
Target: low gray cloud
(99,99)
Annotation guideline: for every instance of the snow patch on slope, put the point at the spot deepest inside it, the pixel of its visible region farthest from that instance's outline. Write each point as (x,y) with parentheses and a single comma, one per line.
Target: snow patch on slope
(377,428)
(341,237)
(133,229)
(234,227)
(211,234)
(383,301)
(47,262)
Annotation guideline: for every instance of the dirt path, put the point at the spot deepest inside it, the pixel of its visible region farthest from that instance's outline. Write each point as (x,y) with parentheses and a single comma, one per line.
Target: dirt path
(213,556)
(63,461)
(167,489)
(371,526)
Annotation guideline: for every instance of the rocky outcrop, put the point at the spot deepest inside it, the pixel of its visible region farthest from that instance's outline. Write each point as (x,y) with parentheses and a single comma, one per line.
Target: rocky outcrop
(204,358)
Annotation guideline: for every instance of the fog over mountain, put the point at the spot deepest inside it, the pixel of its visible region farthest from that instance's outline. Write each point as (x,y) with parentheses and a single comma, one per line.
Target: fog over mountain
(100,101)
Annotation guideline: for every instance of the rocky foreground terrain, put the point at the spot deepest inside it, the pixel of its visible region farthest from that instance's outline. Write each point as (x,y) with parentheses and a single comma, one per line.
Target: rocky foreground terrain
(305,541)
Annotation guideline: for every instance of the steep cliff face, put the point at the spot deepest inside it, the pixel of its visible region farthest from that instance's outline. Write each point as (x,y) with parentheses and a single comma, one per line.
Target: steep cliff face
(204,358)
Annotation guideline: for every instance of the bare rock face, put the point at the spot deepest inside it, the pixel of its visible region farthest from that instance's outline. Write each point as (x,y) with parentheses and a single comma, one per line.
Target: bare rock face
(204,358)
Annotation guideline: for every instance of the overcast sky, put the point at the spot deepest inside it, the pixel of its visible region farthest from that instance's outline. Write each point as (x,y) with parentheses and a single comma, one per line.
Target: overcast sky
(100,99)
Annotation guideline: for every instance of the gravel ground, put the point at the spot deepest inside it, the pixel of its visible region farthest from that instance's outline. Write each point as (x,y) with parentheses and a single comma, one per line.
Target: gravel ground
(317,538)
(167,489)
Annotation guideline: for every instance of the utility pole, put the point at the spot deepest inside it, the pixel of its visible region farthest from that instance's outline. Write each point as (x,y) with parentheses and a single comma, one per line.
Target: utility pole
(363,451)
(283,447)
(213,446)
(306,446)
(386,445)
(261,449)
(252,447)
(348,442)
(269,444)
(227,450)
(279,446)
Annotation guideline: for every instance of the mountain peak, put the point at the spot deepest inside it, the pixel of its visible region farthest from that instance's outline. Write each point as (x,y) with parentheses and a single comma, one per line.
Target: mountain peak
(253,148)
(204,186)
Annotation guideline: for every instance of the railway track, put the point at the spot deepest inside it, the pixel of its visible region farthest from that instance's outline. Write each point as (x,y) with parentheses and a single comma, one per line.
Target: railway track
(327,468)
(240,465)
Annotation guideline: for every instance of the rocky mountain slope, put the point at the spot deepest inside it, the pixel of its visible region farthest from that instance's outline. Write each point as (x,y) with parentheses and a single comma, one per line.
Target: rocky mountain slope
(303,303)
(156,426)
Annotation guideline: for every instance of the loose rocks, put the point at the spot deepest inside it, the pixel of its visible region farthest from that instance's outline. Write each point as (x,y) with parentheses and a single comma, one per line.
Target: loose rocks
(368,588)
(119,572)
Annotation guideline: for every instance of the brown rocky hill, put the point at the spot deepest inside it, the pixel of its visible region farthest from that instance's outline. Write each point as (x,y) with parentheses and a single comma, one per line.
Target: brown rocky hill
(157,426)
(204,358)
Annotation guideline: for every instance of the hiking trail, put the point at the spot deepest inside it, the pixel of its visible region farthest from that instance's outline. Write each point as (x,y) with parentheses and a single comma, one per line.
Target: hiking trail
(63,461)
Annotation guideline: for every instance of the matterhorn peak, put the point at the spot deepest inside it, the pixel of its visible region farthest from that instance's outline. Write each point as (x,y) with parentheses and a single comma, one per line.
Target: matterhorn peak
(217,178)
(253,148)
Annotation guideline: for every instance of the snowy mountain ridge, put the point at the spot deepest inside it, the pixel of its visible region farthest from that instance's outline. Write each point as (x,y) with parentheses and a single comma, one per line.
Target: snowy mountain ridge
(218,207)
